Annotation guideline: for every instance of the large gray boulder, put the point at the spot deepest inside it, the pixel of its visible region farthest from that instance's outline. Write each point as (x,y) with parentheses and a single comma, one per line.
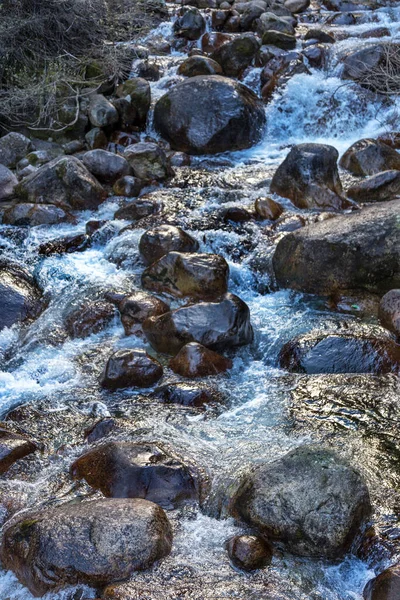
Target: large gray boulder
(359,251)
(13,147)
(210,114)
(310,499)
(8,183)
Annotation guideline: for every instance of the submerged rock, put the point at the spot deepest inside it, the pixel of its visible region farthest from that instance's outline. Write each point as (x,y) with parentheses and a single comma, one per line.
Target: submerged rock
(128,470)
(20,297)
(88,318)
(95,543)
(369,157)
(131,368)
(13,446)
(194,360)
(186,394)
(158,241)
(229,117)
(311,500)
(249,552)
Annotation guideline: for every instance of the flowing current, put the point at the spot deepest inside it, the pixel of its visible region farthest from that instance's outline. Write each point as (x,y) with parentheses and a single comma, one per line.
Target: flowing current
(256,421)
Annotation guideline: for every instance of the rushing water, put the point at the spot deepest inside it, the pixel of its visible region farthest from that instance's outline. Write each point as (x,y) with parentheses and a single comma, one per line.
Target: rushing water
(256,422)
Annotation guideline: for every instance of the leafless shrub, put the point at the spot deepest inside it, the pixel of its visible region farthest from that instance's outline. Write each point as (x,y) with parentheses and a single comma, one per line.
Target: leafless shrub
(384,77)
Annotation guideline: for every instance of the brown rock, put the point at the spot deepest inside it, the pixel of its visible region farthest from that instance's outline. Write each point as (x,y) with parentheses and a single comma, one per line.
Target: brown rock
(88,318)
(249,552)
(138,307)
(369,157)
(158,241)
(13,447)
(186,394)
(194,360)
(378,188)
(384,587)
(266,208)
(131,368)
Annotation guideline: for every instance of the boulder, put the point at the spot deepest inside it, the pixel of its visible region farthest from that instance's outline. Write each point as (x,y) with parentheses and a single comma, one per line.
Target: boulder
(13,147)
(229,117)
(311,500)
(65,245)
(88,317)
(386,586)
(364,350)
(249,552)
(137,92)
(389,311)
(158,241)
(25,214)
(13,447)
(148,161)
(128,186)
(131,368)
(236,55)
(369,157)
(96,138)
(8,182)
(377,188)
(128,470)
(136,308)
(197,276)
(94,543)
(297,6)
(186,394)
(194,360)
(279,39)
(266,208)
(321,36)
(213,40)
(360,251)
(269,21)
(101,112)
(139,209)
(106,166)
(190,23)
(20,297)
(199,65)
(64,181)
(217,325)
(309,177)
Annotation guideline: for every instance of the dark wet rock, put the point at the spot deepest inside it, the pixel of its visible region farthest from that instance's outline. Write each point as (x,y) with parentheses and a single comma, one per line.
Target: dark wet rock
(158,241)
(128,470)
(216,325)
(148,161)
(194,360)
(316,55)
(377,188)
(137,91)
(88,318)
(190,23)
(389,311)
(8,182)
(385,586)
(213,40)
(359,251)
(297,6)
(287,223)
(236,55)
(136,308)
(106,166)
(179,159)
(366,350)
(199,65)
(369,157)
(279,39)
(266,208)
(186,394)
(309,177)
(249,552)
(20,296)
(13,147)
(269,21)
(237,214)
(311,500)
(229,117)
(320,36)
(13,447)
(64,181)
(139,209)
(32,215)
(96,138)
(128,186)
(66,245)
(95,543)
(100,429)
(131,368)
(197,276)
(148,69)
(101,112)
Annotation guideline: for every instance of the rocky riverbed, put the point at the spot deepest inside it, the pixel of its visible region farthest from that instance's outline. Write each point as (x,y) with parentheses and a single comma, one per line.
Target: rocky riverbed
(200,316)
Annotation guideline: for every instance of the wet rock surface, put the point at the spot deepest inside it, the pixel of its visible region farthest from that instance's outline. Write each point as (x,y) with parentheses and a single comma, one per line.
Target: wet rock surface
(194,360)
(249,552)
(131,368)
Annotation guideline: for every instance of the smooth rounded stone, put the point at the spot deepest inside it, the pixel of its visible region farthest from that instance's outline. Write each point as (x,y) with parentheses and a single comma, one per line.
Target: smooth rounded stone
(197,276)
(101,112)
(128,186)
(148,161)
(386,586)
(65,245)
(359,251)
(129,470)
(309,177)
(249,552)
(199,65)
(186,394)
(216,325)
(32,215)
(389,311)
(96,138)
(13,147)
(237,214)
(131,368)
(266,208)
(236,55)
(138,92)
(136,308)
(13,447)
(269,21)
(279,39)
(190,23)
(311,500)
(365,351)
(320,35)
(64,181)
(195,360)
(369,157)
(297,6)
(229,117)
(8,182)
(377,188)
(20,296)
(88,318)
(95,543)
(106,166)
(158,241)
(213,40)
(139,209)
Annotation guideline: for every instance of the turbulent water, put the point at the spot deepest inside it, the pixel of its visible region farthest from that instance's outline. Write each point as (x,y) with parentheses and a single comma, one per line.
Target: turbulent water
(256,421)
